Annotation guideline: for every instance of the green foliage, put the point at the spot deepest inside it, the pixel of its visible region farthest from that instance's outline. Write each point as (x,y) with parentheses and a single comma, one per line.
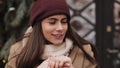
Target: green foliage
(15,22)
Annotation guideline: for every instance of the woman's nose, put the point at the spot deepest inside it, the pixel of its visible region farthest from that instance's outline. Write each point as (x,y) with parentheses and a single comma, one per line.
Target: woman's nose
(59,27)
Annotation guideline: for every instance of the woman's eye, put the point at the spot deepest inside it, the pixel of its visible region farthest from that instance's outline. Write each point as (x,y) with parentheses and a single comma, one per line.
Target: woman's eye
(52,22)
(64,21)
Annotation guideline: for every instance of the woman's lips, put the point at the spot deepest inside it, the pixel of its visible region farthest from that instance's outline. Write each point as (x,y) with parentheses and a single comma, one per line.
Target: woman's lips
(58,36)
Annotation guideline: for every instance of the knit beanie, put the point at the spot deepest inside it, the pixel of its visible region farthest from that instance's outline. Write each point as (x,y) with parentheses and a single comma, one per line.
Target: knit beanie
(44,8)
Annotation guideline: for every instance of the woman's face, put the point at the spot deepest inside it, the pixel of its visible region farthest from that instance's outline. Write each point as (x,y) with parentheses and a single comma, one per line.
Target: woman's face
(54,28)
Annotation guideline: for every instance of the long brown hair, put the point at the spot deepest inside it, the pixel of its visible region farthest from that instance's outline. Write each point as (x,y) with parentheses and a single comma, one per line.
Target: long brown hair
(32,51)
(30,55)
(80,42)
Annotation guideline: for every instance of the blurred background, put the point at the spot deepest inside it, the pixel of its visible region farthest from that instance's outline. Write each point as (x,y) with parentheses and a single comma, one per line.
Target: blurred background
(97,21)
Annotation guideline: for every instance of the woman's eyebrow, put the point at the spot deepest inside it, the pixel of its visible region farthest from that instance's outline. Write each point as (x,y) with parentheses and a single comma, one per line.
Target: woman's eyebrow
(56,18)
(64,18)
(52,19)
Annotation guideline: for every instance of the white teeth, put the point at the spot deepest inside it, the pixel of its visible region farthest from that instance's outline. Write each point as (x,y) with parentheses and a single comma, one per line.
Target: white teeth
(58,36)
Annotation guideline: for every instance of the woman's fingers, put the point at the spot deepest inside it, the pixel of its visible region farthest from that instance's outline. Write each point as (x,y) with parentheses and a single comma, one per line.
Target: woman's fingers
(56,62)
(67,64)
(52,64)
(60,62)
(65,67)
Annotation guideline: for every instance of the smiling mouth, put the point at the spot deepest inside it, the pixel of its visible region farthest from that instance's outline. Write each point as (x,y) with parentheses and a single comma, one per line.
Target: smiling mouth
(58,36)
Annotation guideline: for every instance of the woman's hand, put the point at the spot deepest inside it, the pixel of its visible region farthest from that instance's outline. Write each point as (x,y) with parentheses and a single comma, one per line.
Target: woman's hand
(60,62)
(56,62)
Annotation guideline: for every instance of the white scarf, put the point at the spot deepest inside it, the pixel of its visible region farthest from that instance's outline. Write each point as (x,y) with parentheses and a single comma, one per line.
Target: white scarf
(58,50)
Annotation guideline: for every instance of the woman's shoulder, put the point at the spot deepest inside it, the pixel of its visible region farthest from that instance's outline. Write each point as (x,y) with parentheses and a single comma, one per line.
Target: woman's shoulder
(77,55)
(88,49)
(16,45)
(21,43)
(16,48)
(78,51)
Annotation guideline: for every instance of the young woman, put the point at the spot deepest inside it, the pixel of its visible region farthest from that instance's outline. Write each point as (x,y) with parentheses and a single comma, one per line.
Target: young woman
(50,42)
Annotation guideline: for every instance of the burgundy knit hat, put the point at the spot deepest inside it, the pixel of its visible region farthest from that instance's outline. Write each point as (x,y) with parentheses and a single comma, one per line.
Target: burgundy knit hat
(44,8)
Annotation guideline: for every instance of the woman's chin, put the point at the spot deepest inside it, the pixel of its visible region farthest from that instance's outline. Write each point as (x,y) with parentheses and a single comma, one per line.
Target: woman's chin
(58,42)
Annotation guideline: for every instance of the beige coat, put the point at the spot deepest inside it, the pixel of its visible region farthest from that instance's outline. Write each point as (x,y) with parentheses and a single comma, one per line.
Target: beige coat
(78,58)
